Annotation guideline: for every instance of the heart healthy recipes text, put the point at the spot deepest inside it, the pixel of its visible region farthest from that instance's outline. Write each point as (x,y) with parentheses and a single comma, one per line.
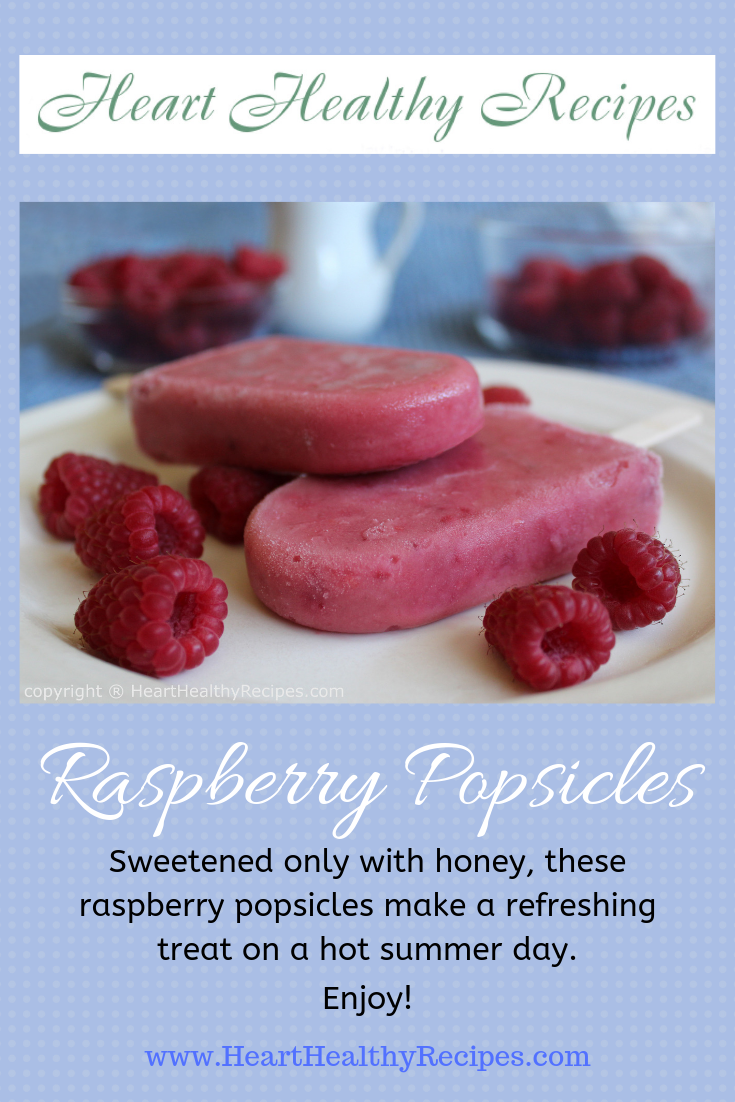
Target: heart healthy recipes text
(317,98)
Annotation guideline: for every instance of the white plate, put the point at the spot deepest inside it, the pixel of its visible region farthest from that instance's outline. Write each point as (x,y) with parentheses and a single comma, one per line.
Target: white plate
(445,662)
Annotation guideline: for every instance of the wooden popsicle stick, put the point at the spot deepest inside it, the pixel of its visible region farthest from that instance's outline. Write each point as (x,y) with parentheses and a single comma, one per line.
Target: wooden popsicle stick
(662,426)
(118,385)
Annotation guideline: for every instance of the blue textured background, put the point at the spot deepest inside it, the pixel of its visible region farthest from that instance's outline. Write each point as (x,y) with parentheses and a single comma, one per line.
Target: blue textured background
(80,1005)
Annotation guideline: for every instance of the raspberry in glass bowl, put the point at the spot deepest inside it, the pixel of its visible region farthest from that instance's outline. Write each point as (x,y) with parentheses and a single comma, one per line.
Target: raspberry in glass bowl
(136,310)
(600,298)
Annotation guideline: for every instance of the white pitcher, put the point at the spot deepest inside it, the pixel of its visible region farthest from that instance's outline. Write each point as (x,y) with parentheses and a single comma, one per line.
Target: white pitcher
(337,286)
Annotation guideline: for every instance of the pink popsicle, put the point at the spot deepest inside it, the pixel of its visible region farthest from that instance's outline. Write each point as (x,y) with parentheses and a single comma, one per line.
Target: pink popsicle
(512,506)
(281,404)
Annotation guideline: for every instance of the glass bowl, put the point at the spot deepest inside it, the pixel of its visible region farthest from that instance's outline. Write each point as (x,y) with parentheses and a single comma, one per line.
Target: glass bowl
(120,338)
(609,297)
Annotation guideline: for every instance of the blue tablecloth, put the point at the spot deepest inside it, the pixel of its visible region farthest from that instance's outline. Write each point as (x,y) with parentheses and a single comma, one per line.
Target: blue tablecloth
(437,295)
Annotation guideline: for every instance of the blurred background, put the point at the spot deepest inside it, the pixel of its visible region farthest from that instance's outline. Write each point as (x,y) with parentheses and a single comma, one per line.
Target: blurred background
(624,289)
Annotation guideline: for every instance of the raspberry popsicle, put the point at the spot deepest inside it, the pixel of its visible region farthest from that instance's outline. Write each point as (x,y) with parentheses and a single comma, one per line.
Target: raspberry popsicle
(281,404)
(509,507)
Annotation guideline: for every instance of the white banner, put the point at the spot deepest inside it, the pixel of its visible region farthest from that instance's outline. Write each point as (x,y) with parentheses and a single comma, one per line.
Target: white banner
(367,104)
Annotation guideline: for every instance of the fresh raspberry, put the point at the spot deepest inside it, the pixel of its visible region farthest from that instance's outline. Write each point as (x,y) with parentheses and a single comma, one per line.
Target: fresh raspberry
(141,287)
(159,617)
(550,636)
(651,274)
(180,270)
(680,292)
(509,395)
(602,326)
(532,305)
(97,280)
(76,485)
(634,575)
(214,272)
(654,321)
(153,521)
(606,284)
(546,269)
(253,264)
(100,273)
(224,497)
(149,299)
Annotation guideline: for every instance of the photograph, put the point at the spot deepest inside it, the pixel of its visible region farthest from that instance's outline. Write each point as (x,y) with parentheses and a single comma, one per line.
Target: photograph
(361,452)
